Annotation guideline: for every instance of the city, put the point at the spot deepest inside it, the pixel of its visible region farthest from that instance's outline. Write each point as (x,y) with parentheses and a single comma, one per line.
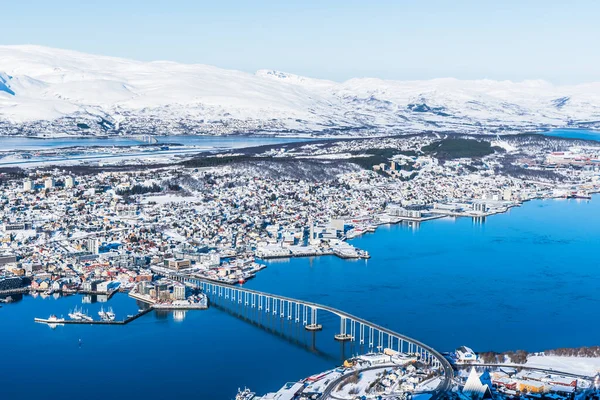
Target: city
(299,200)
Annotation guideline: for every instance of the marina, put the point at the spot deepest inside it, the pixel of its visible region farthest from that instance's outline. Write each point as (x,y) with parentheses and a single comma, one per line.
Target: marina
(52,320)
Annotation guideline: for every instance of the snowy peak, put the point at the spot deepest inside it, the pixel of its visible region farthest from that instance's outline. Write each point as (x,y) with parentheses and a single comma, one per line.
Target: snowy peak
(294,79)
(49,90)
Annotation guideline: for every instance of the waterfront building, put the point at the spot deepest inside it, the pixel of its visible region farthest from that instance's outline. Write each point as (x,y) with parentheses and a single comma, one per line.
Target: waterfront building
(479,207)
(465,354)
(179,292)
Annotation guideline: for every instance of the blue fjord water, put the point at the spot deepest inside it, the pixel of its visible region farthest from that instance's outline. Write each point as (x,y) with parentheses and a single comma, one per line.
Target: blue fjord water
(583,134)
(527,279)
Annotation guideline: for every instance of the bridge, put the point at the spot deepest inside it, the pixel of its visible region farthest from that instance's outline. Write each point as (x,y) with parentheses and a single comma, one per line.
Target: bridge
(352,328)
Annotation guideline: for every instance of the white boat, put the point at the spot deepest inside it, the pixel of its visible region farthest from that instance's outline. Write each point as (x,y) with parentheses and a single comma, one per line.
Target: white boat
(110,315)
(245,394)
(86,317)
(75,314)
(102,314)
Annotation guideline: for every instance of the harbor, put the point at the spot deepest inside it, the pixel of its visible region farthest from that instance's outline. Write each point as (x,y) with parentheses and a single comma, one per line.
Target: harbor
(422,262)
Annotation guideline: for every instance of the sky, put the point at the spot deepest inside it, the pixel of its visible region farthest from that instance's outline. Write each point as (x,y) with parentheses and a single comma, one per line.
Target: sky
(403,39)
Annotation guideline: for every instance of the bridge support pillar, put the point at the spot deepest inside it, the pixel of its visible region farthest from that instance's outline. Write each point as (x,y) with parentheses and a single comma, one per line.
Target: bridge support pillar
(342,336)
(313,326)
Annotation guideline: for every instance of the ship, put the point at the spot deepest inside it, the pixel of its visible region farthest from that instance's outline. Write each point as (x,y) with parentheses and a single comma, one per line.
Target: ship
(110,315)
(102,314)
(245,394)
(85,317)
(75,314)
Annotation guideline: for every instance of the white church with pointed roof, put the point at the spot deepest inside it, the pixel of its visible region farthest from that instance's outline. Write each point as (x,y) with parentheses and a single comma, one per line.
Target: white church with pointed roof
(478,386)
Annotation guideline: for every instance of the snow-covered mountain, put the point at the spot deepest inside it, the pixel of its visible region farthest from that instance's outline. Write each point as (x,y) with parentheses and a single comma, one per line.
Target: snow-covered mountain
(50,91)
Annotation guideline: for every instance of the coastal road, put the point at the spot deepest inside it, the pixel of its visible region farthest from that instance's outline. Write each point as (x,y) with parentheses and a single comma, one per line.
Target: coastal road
(521,366)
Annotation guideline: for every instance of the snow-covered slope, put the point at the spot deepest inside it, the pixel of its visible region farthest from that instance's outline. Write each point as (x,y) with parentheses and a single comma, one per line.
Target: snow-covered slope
(51,91)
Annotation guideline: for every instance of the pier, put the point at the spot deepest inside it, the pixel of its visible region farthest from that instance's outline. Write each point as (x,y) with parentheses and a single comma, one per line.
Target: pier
(83,322)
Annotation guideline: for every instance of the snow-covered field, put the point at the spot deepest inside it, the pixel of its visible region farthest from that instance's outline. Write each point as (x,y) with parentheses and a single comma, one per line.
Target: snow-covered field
(589,366)
(89,94)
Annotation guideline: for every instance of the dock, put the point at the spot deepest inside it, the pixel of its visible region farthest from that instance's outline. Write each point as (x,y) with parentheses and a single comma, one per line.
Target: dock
(81,322)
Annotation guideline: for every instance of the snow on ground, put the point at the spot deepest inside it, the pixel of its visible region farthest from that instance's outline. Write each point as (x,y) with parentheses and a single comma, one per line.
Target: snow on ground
(335,156)
(431,384)
(506,146)
(589,366)
(168,198)
(174,235)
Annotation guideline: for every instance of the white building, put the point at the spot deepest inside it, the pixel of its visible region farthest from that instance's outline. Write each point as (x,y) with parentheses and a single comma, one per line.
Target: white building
(92,245)
(477,386)
(27,185)
(69,182)
(49,183)
(465,354)
(179,292)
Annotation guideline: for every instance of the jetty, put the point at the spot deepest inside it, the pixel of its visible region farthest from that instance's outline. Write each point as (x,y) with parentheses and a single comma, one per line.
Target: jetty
(83,322)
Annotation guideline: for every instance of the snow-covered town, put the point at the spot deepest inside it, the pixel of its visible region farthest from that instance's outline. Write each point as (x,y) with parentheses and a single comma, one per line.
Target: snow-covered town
(394,375)
(157,231)
(216,216)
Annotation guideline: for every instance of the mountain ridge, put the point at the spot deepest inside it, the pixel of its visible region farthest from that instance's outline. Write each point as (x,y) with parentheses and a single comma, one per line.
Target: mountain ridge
(58,91)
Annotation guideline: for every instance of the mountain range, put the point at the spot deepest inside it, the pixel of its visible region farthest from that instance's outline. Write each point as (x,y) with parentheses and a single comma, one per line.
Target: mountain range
(48,92)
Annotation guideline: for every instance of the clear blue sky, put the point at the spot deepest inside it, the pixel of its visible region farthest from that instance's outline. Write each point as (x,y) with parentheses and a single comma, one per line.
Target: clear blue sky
(502,39)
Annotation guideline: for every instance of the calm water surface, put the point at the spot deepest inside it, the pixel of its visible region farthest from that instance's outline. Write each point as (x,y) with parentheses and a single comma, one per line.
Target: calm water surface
(528,279)
(583,134)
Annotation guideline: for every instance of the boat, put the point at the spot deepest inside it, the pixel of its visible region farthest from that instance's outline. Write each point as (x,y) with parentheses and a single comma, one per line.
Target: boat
(75,314)
(245,394)
(241,280)
(84,316)
(102,314)
(110,315)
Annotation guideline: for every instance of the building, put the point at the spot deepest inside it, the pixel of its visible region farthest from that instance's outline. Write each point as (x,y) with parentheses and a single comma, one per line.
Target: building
(27,185)
(531,386)
(478,386)
(465,354)
(338,224)
(179,292)
(7,259)
(107,286)
(49,183)
(177,264)
(69,182)
(92,245)
(480,207)
(17,226)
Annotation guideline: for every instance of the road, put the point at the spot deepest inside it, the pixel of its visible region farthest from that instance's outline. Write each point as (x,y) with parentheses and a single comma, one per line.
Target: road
(544,370)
